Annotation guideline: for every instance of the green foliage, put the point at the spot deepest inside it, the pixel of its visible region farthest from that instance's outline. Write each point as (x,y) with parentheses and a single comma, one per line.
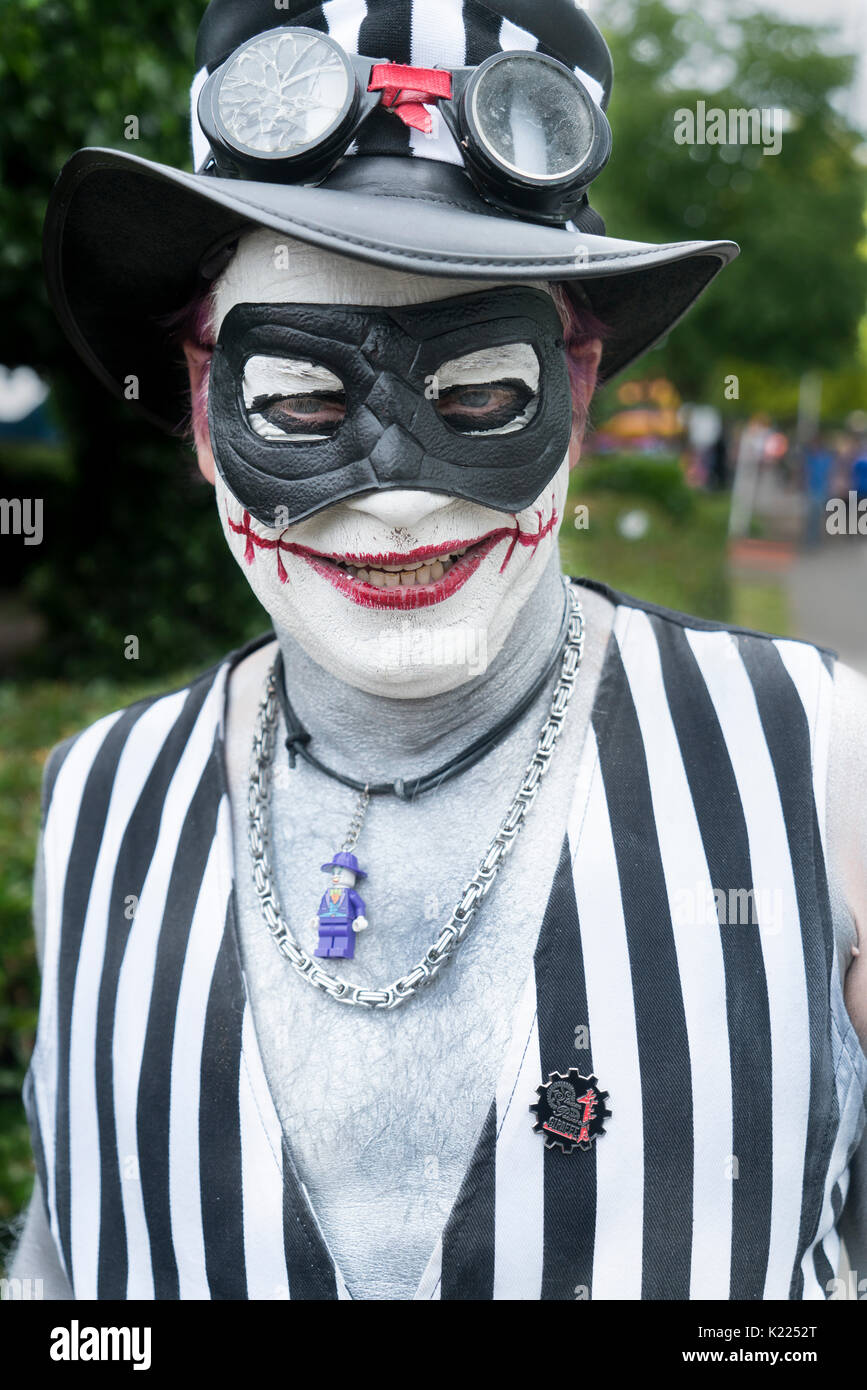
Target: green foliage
(794,297)
(775,391)
(71,71)
(680,565)
(149,560)
(762,605)
(132,544)
(648,478)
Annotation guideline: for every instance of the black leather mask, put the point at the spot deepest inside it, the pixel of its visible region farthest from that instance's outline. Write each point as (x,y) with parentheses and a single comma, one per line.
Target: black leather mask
(388,426)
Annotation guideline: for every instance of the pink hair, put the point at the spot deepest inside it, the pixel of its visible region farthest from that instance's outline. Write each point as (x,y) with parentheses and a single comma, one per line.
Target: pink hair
(580,327)
(193,327)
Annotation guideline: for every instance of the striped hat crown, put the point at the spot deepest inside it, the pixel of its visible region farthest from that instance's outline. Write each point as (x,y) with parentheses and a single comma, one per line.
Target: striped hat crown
(423,33)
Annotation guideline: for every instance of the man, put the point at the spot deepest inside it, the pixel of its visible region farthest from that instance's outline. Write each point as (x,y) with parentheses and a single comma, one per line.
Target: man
(610,821)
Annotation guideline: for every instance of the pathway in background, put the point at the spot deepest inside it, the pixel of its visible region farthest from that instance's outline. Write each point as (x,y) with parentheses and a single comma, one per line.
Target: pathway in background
(827,590)
(821,593)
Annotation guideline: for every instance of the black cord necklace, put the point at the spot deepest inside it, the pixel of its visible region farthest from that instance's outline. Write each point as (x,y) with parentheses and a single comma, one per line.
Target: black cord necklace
(342,912)
(298,738)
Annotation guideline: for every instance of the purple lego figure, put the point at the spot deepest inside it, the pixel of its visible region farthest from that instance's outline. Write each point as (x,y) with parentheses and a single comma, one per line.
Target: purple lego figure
(341,911)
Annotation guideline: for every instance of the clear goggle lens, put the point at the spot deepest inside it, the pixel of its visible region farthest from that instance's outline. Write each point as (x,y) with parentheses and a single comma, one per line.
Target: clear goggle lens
(539,129)
(282,93)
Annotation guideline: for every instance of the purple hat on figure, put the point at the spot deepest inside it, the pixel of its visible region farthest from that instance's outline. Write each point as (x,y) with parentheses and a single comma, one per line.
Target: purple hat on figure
(344,860)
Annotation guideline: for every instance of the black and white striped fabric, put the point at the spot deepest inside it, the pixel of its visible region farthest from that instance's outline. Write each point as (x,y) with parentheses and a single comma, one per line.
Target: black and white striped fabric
(736,1081)
(423,33)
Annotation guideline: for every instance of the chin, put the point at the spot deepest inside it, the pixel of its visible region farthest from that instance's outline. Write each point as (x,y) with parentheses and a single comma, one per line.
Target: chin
(395,609)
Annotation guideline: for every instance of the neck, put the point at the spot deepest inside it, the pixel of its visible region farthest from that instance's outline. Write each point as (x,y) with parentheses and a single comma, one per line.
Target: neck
(377,738)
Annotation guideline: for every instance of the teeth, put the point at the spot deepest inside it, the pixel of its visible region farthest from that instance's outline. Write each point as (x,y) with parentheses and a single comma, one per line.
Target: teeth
(407,574)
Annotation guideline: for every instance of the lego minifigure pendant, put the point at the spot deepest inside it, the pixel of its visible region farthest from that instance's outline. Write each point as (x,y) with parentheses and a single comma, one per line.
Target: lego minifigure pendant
(341,911)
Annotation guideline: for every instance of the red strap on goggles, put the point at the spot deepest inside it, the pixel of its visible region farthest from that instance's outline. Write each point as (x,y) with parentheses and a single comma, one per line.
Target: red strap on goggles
(406,91)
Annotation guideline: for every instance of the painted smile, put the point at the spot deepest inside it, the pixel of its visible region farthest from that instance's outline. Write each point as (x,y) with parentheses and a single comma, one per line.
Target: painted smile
(414,579)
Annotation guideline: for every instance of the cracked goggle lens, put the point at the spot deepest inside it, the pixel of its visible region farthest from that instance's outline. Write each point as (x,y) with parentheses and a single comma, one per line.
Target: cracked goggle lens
(282,93)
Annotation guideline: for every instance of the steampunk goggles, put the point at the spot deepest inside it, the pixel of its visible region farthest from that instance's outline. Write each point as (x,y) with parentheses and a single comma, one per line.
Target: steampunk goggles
(287,104)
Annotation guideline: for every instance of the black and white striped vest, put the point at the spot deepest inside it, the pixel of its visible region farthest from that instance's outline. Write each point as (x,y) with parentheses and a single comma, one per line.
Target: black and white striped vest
(688,923)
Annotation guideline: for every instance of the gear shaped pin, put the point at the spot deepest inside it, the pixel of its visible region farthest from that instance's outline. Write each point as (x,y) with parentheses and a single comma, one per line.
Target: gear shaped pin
(570,1111)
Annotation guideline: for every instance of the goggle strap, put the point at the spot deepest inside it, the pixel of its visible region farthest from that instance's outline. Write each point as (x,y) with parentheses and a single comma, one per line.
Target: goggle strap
(407,90)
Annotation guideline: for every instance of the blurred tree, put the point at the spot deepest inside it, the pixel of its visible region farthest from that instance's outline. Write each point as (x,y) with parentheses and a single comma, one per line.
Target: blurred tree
(794,297)
(131,540)
(70,72)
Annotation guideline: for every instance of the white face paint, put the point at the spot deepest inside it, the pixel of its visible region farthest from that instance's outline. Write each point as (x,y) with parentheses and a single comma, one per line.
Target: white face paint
(398,592)
(280,379)
(341,875)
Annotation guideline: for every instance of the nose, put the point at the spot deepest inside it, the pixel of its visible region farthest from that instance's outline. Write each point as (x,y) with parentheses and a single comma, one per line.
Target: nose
(398,506)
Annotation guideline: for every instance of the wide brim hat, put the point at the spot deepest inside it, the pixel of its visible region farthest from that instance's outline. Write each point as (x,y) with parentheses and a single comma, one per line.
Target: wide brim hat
(128,242)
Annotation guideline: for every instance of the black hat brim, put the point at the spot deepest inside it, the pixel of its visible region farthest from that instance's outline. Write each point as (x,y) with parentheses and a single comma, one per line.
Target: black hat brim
(125,239)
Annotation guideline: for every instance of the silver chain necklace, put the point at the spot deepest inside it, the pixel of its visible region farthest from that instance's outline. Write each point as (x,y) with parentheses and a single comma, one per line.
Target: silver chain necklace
(456,928)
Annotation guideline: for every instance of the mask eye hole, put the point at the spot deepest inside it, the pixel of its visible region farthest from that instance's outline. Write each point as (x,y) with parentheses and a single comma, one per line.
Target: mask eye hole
(290,399)
(498,407)
(493,391)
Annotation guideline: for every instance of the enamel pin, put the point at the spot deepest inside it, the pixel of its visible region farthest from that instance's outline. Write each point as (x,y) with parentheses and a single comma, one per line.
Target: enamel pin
(570,1110)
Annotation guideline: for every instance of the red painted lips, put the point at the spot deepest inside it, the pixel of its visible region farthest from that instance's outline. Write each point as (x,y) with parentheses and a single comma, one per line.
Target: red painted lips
(368,595)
